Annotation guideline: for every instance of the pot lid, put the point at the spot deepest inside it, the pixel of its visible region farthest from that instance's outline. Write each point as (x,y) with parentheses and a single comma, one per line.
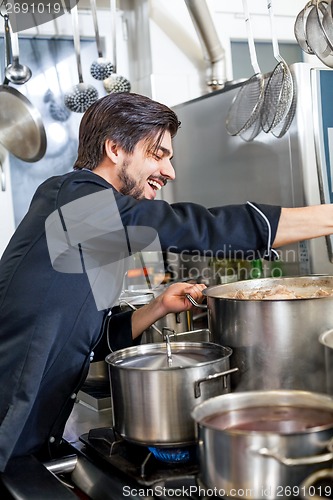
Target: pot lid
(155,356)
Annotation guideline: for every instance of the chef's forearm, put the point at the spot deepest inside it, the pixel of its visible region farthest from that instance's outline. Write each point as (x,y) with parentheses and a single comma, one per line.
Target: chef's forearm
(297,224)
(144,317)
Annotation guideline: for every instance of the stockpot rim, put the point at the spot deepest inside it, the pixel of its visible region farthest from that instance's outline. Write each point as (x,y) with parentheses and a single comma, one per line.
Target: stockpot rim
(210,292)
(112,358)
(325,399)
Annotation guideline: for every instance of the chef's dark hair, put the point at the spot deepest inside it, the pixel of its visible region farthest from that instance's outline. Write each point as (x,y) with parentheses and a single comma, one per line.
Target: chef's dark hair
(126,119)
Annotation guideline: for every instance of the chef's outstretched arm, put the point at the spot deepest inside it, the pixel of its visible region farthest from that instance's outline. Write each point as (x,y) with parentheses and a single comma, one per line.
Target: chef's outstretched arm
(303,223)
(173,299)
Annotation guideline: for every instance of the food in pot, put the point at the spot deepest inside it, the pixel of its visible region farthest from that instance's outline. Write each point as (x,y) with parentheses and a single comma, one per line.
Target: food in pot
(281,292)
(279,419)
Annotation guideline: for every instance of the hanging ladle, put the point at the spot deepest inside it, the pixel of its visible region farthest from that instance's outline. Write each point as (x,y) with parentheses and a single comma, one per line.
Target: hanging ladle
(101,68)
(16,72)
(82,94)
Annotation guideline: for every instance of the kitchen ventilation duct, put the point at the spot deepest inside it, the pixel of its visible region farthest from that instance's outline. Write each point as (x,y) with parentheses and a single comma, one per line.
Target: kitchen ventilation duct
(209,39)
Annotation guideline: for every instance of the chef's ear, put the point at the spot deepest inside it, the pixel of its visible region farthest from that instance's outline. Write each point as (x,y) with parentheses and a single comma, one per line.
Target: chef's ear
(112,150)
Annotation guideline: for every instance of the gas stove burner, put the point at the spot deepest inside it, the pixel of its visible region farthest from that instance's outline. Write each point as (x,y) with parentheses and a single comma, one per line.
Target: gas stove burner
(138,462)
(174,455)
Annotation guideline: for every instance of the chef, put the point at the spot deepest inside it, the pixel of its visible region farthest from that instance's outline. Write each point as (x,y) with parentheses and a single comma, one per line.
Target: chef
(52,311)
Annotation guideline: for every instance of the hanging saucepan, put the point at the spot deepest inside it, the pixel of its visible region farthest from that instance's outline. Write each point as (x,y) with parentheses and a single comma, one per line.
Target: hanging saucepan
(154,388)
(22,131)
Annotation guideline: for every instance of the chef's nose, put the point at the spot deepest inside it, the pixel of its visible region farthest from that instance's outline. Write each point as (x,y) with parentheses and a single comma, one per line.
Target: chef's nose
(167,170)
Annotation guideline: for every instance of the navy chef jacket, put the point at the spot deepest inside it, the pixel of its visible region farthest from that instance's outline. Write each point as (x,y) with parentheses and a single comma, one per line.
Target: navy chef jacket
(49,322)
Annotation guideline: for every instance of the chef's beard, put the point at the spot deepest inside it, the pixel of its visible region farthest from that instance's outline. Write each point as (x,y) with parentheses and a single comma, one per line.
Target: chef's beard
(129,184)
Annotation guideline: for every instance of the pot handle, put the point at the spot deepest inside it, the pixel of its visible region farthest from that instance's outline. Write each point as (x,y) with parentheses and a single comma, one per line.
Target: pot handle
(291,462)
(310,481)
(194,302)
(197,390)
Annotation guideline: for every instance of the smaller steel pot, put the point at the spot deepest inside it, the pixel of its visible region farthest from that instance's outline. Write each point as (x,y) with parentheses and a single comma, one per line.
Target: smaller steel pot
(263,443)
(152,399)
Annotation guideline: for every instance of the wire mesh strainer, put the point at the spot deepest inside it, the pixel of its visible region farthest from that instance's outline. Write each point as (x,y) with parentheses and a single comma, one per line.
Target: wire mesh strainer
(279,88)
(282,128)
(300,27)
(244,114)
(316,33)
(328,23)
(83,94)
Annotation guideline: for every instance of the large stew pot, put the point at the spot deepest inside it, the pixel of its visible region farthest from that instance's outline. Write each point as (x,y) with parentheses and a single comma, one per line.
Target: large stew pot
(263,444)
(153,396)
(326,339)
(275,342)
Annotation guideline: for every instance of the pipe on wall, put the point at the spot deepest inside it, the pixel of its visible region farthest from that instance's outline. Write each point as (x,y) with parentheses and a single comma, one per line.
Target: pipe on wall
(214,52)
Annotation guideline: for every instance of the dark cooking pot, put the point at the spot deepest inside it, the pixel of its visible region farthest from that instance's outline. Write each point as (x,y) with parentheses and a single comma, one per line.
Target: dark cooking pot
(152,399)
(263,444)
(274,341)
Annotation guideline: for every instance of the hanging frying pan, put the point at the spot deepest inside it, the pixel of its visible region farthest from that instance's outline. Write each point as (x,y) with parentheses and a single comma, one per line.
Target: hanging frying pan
(22,131)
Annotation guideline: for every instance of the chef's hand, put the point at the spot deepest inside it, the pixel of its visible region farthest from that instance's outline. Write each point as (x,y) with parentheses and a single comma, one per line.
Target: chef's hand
(173,299)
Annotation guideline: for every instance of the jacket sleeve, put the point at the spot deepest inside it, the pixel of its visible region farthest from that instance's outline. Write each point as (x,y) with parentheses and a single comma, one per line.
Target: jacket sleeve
(119,330)
(232,231)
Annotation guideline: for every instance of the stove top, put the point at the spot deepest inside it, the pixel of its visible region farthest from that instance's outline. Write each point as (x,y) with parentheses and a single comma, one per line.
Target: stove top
(137,462)
(130,470)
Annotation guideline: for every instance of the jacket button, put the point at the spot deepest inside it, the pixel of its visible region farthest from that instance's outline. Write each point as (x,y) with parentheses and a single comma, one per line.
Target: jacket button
(52,439)
(73,396)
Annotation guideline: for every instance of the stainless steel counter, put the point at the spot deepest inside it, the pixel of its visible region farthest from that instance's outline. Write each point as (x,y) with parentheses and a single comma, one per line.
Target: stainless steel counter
(82,419)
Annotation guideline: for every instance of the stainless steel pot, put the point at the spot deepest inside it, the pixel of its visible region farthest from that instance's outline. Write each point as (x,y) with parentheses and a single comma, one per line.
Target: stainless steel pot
(263,444)
(275,342)
(152,400)
(326,339)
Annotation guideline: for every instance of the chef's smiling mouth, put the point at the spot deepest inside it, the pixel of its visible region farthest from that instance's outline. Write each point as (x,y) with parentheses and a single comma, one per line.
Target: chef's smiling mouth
(157,184)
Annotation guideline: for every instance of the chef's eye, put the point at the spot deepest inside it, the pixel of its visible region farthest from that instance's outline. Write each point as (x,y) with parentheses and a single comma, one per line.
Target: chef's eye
(157,157)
